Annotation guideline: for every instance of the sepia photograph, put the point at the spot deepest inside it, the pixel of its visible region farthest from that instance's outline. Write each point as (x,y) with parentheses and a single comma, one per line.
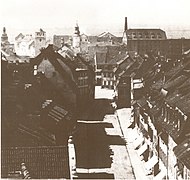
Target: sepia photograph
(95,89)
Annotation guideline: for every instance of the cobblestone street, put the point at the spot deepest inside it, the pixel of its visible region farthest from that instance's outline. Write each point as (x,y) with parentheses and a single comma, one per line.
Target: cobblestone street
(100,148)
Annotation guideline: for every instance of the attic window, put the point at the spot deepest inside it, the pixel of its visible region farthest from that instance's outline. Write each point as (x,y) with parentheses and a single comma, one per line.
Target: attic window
(134,35)
(159,35)
(153,35)
(146,35)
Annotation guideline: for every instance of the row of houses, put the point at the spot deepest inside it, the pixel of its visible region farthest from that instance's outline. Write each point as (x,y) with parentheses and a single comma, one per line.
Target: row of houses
(158,92)
(41,101)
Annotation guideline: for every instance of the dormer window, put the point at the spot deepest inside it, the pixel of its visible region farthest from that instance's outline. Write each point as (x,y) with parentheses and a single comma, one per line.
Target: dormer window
(153,35)
(147,35)
(134,35)
(140,35)
(159,35)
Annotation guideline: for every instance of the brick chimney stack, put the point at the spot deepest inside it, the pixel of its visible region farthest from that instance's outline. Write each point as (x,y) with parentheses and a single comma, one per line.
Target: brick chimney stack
(126,26)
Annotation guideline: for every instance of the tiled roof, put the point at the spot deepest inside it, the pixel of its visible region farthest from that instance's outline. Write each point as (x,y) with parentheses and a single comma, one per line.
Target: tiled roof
(184,88)
(170,128)
(155,110)
(63,65)
(175,71)
(92,39)
(85,63)
(20,35)
(58,113)
(47,162)
(175,76)
(126,70)
(143,103)
(145,66)
(171,85)
(101,57)
(182,151)
(116,51)
(106,34)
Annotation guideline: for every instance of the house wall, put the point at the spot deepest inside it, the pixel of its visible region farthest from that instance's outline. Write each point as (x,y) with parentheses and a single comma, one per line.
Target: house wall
(144,46)
(124,92)
(85,89)
(107,75)
(172,48)
(24,49)
(108,80)
(161,144)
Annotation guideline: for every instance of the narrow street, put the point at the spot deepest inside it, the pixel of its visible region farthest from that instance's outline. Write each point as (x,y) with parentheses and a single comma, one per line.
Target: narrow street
(100,148)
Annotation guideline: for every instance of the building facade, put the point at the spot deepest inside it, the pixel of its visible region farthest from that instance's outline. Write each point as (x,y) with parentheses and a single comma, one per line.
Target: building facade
(161,118)
(27,45)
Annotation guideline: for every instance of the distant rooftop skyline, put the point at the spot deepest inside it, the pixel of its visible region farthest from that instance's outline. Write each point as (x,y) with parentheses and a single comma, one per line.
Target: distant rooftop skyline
(93,16)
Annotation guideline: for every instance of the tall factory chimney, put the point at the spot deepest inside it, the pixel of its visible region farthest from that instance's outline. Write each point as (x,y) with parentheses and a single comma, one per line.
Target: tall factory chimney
(126,26)
(125,32)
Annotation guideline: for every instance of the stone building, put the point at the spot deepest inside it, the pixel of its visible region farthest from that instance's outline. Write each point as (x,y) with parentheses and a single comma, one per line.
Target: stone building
(27,45)
(144,41)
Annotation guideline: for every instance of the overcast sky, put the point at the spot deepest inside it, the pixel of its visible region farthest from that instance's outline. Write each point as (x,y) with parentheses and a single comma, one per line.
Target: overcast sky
(107,15)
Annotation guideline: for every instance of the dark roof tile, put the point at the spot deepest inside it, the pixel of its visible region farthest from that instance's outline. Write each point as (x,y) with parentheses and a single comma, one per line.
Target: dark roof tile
(50,162)
(182,151)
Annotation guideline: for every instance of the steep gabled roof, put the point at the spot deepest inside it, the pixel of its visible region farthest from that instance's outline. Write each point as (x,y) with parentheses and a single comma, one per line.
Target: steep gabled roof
(84,62)
(59,63)
(19,36)
(173,84)
(123,65)
(101,57)
(106,34)
(182,152)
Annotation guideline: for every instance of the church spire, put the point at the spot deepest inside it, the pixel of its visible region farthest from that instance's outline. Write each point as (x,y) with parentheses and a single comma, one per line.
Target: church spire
(4,30)
(77,29)
(76,40)
(4,37)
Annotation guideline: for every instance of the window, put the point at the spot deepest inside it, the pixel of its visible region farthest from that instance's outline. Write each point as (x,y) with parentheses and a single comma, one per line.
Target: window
(134,35)
(35,69)
(153,35)
(146,35)
(159,35)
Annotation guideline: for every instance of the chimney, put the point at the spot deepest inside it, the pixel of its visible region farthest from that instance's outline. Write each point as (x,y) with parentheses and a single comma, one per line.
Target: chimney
(125,24)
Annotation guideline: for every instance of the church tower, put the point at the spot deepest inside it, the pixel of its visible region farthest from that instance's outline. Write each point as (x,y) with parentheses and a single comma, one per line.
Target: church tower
(76,40)
(40,41)
(4,37)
